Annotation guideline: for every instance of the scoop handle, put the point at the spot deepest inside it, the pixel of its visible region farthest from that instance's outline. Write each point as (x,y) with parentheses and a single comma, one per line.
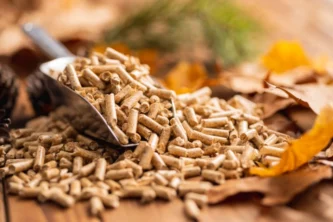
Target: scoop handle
(51,47)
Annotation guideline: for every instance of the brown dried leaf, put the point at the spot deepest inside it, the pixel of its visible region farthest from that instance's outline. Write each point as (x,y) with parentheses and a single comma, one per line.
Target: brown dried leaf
(242,84)
(302,117)
(314,96)
(222,92)
(272,103)
(318,201)
(300,75)
(255,78)
(282,124)
(276,190)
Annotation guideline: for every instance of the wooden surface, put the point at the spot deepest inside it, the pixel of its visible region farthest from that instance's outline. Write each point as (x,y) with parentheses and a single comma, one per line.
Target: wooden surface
(309,21)
(2,204)
(129,210)
(311,206)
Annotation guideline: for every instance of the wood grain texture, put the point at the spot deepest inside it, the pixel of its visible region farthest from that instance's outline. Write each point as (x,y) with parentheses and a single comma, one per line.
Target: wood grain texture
(279,214)
(2,204)
(307,208)
(162,211)
(131,210)
(31,210)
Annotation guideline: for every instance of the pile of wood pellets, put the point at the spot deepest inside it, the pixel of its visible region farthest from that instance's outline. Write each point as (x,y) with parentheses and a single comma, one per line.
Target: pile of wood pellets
(181,153)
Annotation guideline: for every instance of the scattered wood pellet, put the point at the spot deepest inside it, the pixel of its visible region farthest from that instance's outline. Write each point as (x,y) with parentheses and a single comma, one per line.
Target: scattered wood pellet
(191,209)
(209,139)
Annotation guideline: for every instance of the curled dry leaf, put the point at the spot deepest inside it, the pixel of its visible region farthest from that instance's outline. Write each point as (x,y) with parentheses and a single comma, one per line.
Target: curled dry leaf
(276,190)
(282,124)
(314,96)
(303,117)
(302,150)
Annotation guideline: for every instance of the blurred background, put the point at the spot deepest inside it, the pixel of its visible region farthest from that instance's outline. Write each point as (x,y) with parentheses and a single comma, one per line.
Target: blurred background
(187,43)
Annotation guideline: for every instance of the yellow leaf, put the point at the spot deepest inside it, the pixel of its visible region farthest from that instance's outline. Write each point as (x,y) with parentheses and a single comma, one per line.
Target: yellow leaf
(303,149)
(186,77)
(284,56)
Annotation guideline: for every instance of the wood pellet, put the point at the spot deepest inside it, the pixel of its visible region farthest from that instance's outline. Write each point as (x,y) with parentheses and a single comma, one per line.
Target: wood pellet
(209,138)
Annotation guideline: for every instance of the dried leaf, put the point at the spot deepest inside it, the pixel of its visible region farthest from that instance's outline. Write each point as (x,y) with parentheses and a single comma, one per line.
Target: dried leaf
(186,77)
(282,124)
(302,150)
(317,201)
(271,103)
(315,96)
(287,66)
(304,118)
(222,92)
(299,75)
(255,78)
(239,83)
(285,55)
(276,190)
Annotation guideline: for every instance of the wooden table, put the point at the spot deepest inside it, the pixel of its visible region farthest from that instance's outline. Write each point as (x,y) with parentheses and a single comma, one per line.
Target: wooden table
(307,207)
(309,21)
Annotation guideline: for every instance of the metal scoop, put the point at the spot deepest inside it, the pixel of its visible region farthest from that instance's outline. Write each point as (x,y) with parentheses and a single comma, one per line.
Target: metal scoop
(71,106)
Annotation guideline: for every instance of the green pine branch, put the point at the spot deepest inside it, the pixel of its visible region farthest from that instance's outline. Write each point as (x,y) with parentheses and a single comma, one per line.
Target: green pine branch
(167,25)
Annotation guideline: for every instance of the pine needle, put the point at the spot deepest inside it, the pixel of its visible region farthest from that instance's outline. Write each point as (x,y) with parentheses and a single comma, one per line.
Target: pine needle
(167,25)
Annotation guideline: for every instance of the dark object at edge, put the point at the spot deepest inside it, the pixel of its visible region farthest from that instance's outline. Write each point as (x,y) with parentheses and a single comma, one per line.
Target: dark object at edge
(4,127)
(38,94)
(8,89)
